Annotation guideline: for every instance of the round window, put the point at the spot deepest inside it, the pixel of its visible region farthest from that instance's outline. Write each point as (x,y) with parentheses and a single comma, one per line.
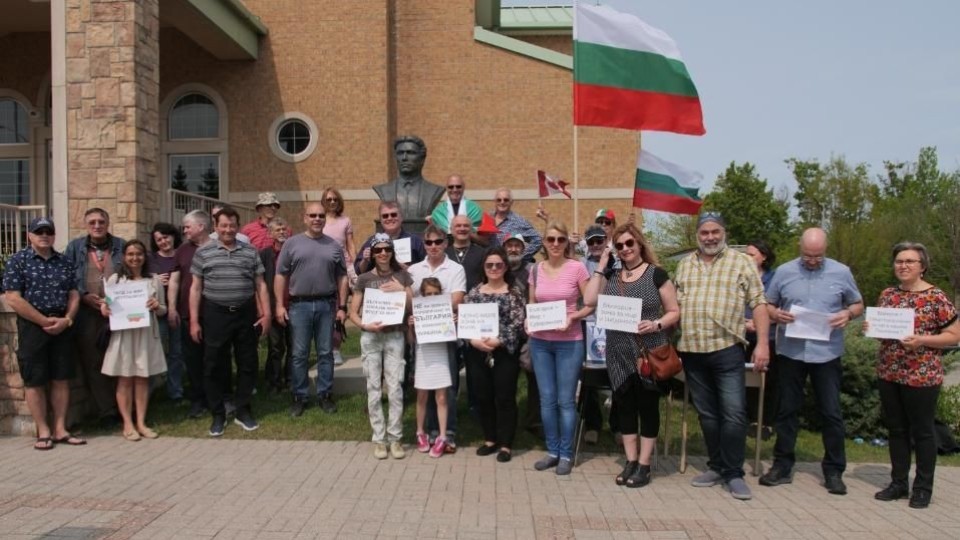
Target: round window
(293,137)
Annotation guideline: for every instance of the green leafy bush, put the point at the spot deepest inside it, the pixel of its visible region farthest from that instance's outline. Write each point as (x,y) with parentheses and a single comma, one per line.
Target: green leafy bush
(948,406)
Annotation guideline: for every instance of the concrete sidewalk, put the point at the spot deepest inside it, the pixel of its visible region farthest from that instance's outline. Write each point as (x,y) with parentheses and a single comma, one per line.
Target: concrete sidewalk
(197,488)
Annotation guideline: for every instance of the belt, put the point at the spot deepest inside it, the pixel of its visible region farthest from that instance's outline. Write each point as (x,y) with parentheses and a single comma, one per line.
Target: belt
(229,309)
(54,313)
(311,297)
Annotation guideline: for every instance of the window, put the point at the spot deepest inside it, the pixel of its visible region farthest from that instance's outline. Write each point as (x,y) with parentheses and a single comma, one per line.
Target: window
(15,181)
(292,137)
(14,122)
(196,173)
(194,116)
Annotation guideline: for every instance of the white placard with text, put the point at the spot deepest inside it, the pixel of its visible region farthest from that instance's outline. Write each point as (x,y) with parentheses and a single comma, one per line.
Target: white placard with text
(890,323)
(546,316)
(433,319)
(621,313)
(127,301)
(475,321)
(386,308)
(401,248)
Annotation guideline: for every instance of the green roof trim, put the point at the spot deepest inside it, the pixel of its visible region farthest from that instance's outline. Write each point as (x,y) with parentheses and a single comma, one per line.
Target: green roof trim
(235,21)
(523,48)
(536,18)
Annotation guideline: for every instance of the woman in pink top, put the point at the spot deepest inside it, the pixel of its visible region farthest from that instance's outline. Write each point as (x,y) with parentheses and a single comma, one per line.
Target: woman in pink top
(339,228)
(558,354)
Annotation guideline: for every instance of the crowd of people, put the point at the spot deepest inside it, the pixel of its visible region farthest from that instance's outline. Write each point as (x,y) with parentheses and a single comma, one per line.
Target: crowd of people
(214,289)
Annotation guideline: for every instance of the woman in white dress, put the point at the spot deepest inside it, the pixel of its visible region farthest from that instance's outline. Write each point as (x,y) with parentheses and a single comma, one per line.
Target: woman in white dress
(432,374)
(136,354)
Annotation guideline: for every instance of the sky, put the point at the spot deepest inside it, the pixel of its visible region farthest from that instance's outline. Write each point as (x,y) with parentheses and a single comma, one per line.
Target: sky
(868,80)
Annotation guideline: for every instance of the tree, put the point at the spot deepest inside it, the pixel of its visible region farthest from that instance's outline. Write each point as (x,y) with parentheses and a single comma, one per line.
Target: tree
(180,179)
(751,210)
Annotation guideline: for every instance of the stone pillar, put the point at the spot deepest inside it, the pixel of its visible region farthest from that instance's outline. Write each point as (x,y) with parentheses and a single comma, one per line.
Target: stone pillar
(112,89)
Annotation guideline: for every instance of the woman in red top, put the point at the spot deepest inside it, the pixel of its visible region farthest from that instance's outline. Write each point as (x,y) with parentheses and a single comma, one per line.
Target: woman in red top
(911,373)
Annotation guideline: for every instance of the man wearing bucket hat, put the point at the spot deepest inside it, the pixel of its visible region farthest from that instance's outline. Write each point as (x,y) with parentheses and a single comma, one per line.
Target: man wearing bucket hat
(258,230)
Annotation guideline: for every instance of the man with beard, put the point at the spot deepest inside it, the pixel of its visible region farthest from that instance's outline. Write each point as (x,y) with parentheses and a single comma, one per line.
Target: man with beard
(714,284)
(516,248)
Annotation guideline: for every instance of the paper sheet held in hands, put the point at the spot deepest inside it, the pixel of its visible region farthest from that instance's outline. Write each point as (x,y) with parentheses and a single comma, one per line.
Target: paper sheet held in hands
(808,324)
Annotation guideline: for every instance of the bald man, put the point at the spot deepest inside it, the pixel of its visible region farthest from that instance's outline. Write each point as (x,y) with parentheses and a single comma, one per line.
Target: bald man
(825,287)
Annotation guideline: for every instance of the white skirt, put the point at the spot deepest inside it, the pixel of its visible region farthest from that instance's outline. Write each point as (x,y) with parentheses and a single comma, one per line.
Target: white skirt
(433,366)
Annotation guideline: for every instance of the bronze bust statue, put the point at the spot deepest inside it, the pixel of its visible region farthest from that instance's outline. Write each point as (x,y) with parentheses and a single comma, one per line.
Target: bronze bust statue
(415,195)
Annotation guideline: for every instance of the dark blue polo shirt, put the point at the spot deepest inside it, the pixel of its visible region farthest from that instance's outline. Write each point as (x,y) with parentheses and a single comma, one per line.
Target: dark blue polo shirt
(44,283)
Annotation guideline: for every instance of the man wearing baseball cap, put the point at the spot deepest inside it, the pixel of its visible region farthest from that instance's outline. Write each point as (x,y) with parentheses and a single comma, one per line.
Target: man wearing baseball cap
(40,285)
(258,230)
(516,248)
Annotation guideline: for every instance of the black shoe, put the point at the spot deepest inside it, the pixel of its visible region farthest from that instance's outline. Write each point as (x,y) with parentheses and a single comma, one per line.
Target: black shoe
(776,476)
(297,408)
(894,491)
(627,472)
(327,405)
(639,478)
(484,450)
(197,410)
(230,408)
(504,456)
(834,484)
(920,498)
(246,420)
(217,426)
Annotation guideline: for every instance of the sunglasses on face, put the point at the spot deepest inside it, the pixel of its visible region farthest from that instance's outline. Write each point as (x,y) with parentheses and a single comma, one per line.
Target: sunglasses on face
(598,241)
(454,187)
(494,265)
(604,222)
(628,244)
(379,250)
(331,199)
(44,232)
(502,200)
(556,239)
(317,216)
(436,242)
(96,222)
(389,215)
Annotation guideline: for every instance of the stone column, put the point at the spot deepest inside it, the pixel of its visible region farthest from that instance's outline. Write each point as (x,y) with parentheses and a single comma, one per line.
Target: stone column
(112,87)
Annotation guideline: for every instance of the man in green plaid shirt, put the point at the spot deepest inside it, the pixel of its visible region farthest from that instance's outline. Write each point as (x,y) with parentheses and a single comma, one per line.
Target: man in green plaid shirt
(714,284)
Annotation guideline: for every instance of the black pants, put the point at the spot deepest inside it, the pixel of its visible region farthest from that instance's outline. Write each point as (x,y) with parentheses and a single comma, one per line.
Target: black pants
(102,388)
(825,379)
(496,393)
(193,360)
(908,412)
(633,401)
(277,368)
(222,330)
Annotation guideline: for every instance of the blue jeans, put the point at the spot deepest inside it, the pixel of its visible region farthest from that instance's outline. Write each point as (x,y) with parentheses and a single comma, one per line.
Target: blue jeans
(311,320)
(175,365)
(718,390)
(557,366)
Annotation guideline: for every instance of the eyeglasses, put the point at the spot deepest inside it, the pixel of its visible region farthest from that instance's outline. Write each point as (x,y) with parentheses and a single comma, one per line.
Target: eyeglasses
(603,221)
(384,249)
(389,215)
(555,239)
(454,187)
(331,199)
(317,216)
(812,258)
(494,265)
(44,232)
(597,241)
(97,222)
(629,243)
(436,242)
(499,199)
(906,262)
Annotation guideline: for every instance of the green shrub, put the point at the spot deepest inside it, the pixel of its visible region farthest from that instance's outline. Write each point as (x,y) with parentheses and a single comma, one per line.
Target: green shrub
(948,406)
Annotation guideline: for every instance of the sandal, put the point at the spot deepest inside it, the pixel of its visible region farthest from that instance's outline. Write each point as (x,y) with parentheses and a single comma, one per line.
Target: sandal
(627,472)
(639,478)
(132,436)
(148,433)
(43,443)
(70,440)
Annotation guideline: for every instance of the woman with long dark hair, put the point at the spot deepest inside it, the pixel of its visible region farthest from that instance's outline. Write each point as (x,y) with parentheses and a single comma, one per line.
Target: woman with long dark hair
(164,241)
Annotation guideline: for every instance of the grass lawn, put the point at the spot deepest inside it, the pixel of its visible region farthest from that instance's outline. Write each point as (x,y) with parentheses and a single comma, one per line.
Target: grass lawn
(351,423)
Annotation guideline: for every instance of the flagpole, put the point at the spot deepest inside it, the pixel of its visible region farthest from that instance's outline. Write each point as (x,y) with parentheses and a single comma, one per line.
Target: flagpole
(576,164)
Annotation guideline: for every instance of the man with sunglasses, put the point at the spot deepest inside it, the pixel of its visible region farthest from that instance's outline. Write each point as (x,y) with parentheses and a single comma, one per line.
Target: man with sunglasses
(510,224)
(816,283)
(714,285)
(258,230)
(40,286)
(313,305)
(415,195)
(391,220)
(457,205)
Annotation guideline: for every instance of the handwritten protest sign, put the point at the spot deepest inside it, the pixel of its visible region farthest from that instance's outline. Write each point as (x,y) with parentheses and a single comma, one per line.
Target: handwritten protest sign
(475,321)
(433,319)
(619,313)
(387,308)
(401,248)
(128,304)
(546,316)
(889,323)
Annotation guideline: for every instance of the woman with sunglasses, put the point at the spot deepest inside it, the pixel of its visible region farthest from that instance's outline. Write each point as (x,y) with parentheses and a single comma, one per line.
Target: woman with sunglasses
(493,364)
(136,354)
(558,354)
(639,277)
(381,347)
(911,373)
(339,227)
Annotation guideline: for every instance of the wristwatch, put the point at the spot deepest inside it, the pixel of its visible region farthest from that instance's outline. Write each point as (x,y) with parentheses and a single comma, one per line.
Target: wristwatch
(69,322)
(342,307)
(659,325)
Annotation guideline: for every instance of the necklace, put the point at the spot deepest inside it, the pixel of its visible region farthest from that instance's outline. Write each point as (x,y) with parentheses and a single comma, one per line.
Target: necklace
(461,253)
(629,271)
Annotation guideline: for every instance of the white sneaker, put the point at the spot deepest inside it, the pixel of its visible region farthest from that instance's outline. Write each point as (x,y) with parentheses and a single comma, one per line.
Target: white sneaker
(337,358)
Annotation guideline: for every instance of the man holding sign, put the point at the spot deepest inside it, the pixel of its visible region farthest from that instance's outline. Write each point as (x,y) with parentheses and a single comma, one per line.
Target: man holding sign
(409,247)
(821,291)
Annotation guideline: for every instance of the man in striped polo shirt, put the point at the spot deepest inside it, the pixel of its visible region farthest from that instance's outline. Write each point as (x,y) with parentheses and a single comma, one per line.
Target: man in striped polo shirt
(228,276)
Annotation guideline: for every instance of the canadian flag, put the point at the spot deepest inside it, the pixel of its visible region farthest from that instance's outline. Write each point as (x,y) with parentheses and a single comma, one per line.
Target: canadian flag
(549,186)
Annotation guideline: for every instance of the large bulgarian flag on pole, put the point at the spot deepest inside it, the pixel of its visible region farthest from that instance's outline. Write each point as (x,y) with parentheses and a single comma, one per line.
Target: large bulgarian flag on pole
(628,74)
(665,186)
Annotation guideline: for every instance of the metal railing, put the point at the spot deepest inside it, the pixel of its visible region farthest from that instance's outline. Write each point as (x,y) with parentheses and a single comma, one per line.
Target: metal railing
(13,226)
(179,203)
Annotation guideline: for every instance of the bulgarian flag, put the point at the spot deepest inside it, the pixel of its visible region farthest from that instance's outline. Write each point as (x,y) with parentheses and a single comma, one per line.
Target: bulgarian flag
(665,186)
(628,74)
(548,186)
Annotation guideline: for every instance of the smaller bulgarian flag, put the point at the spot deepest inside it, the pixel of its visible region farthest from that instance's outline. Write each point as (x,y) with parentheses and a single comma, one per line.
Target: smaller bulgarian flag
(548,186)
(628,74)
(665,186)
